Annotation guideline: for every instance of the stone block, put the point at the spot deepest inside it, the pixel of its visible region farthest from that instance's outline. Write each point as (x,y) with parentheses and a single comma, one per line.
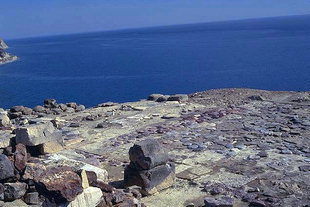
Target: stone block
(37,134)
(151,181)
(147,154)
(6,168)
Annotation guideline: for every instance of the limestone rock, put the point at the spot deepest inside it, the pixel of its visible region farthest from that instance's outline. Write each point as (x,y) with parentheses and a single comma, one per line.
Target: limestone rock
(91,196)
(37,134)
(6,167)
(147,154)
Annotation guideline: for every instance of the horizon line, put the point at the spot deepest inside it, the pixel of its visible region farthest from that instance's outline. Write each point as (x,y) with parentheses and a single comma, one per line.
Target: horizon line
(153,26)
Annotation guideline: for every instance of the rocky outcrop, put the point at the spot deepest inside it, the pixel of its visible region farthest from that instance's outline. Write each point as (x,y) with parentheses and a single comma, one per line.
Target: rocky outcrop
(4,56)
(225,147)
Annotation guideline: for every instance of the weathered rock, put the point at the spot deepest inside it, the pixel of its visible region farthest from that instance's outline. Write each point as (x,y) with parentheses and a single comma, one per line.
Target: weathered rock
(51,147)
(178,97)
(6,168)
(39,109)
(50,103)
(154,97)
(72,105)
(91,196)
(147,154)
(33,171)
(13,191)
(5,139)
(219,202)
(20,157)
(16,203)
(62,183)
(80,108)
(5,120)
(151,181)
(37,134)
(32,198)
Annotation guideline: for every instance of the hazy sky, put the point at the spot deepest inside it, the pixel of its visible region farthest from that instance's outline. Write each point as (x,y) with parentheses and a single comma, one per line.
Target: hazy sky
(24,18)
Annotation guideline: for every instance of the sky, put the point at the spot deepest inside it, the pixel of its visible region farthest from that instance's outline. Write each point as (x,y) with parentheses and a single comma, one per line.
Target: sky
(31,18)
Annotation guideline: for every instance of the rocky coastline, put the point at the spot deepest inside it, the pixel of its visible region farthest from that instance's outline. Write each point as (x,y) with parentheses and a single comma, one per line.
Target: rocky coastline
(225,147)
(4,56)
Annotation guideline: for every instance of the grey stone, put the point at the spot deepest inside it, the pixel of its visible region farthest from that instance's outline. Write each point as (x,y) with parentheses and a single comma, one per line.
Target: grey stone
(37,134)
(5,120)
(6,167)
(151,181)
(13,191)
(39,109)
(80,108)
(219,202)
(178,97)
(154,97)
(32,198)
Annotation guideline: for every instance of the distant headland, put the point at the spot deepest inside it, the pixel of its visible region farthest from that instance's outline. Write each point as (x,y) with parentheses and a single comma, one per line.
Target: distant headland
(4,56)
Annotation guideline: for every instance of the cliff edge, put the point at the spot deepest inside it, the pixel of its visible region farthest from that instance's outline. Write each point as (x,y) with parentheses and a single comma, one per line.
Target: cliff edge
(4,56)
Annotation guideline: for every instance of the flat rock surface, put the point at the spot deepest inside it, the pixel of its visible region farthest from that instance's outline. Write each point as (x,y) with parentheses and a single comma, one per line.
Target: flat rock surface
(251,145)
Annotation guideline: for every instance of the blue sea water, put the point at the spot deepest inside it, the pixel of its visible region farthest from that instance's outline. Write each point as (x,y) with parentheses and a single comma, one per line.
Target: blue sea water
(127,65)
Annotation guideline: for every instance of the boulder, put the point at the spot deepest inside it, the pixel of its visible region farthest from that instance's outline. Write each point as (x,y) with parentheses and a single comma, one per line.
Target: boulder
(151,181)
(50,103)
(20,157)
(162,98)
(72,105)
(80,108)
(33,171)
(5,120)
(13,191)
(37,134)
(91,196)
(39,109)
(61,183)
(154,97)
(51,147)
(178,97)
(5,139)
(32,198)
(6,167)
(147,154)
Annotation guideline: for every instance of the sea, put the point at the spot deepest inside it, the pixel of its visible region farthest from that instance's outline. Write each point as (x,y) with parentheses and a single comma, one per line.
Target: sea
(128,65)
